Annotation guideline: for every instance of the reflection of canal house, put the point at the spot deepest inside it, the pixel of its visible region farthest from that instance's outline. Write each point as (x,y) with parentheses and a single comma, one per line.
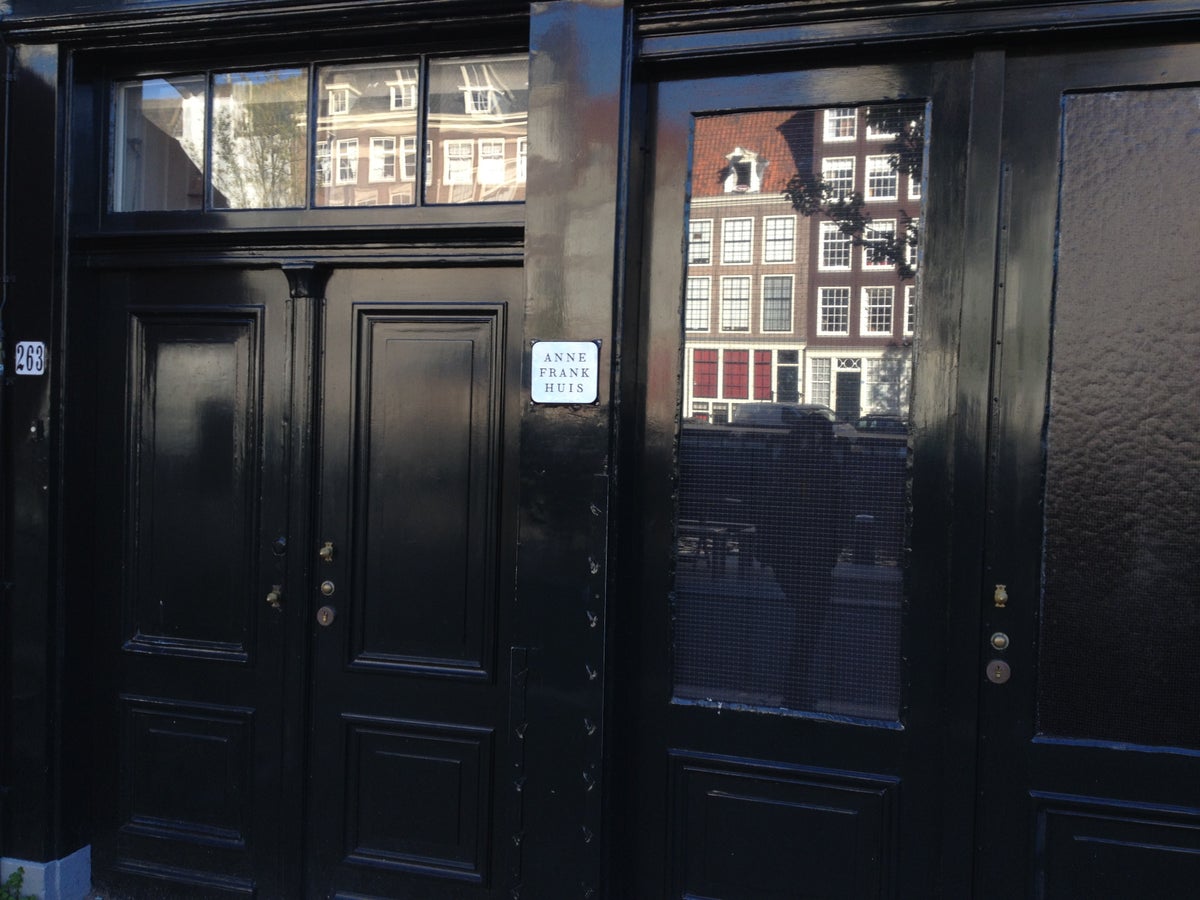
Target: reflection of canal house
(785,307)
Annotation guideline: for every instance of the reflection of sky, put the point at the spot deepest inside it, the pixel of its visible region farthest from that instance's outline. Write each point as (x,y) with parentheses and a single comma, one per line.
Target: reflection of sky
(258,77)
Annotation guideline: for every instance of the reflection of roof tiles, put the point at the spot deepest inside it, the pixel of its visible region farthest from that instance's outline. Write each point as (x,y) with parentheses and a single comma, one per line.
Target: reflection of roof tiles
(783,138)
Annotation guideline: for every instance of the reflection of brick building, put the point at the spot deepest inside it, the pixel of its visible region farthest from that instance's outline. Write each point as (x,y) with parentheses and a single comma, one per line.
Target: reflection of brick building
(783,307)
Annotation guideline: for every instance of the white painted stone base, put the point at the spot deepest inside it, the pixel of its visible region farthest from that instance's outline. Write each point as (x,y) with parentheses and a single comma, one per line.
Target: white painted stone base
(69,878)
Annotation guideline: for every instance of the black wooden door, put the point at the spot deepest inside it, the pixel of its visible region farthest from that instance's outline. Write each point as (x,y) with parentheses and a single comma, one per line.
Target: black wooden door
(289,705)
(189,392)
(1090,719)
(407,609)
(789,610)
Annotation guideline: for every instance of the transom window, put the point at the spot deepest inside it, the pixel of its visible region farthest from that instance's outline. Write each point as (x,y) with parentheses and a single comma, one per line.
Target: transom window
(242,140)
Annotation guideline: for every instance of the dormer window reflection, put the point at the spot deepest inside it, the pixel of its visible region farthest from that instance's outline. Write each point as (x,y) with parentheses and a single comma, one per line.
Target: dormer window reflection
(744,174)
(404,89)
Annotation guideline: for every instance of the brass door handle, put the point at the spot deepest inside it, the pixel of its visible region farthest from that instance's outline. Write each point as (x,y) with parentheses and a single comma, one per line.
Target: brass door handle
(275,597)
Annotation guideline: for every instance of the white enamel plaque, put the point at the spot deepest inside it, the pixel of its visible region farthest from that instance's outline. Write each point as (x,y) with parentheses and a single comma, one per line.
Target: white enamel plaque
(31,358)
(565,371)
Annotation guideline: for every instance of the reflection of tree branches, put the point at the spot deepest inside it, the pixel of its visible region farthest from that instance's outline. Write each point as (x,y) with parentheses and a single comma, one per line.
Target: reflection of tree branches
(810,194)
(258,148)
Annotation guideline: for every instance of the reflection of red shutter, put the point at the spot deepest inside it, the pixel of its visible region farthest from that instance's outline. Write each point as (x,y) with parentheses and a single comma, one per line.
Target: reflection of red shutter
(704,373)
(762,375)
(737,374)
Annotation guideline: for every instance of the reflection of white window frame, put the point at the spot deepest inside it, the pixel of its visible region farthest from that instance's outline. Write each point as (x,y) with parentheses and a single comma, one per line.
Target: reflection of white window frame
(737,241)
(841,124)
(833,311)
(914,188)
(779,239)
(835,252)
(478,90)
(910,249)
(910,310)
(522,159)
(878,306)
(735,303)
(345,161)
(769,295)
(404,89)
(324,165)
(700,242)
(428,163)
(491,161)
(875,135)
(838,174)
(458,159)
(697,303)
(820,381)
(408,159)
(883,181)
(745,172)
(382,159)
(879,230)
(339,100)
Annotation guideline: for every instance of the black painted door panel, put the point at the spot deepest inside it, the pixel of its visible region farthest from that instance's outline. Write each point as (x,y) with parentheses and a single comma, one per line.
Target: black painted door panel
(409,684)
(1090,765)
(190,498)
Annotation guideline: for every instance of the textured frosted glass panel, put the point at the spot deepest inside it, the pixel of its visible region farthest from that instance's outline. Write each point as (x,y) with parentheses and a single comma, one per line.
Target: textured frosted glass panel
(1121,604)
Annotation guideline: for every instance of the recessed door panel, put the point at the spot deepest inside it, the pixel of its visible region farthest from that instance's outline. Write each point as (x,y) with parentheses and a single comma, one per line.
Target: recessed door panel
(409,706)
(1091,745)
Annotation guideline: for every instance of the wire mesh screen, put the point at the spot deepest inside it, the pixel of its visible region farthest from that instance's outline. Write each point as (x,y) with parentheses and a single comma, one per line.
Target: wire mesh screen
(793,450)
(1121,594)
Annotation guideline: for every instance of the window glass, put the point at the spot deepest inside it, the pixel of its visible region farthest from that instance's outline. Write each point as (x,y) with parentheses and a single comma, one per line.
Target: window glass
(793,450)
(159,144)
(259,139)
(478,123)
(367,117)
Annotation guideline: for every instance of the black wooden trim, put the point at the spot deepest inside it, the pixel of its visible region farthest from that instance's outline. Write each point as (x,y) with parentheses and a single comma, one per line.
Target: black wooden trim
(676,31)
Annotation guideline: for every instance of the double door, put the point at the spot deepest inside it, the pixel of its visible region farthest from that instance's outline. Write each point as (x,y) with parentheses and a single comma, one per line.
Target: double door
(922,633)
(301,486)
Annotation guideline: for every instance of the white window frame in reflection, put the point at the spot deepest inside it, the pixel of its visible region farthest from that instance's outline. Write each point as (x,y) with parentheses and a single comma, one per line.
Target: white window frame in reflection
(490,168)
(345,161)
(338,96)
(697,303)
(766,295)
(735,303)
(835,314)
(883,181)
(408,158)
(381,160)
(910,310)
(836,250)
(403,91)
(911,258)
(737,241)
(835,120)
(479,94)
(878,310)
(820,381)
(879,230)
(324,164)
(837,172)
(458,157)
(779,239)
(522,159)
(914,188)
(700,236)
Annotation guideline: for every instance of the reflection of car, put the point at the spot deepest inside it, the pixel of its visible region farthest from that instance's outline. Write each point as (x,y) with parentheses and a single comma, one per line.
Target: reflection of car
(779,415)
(881,423)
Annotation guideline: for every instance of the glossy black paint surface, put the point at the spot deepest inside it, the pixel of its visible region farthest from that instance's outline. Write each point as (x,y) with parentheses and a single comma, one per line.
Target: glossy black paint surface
(559,687)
